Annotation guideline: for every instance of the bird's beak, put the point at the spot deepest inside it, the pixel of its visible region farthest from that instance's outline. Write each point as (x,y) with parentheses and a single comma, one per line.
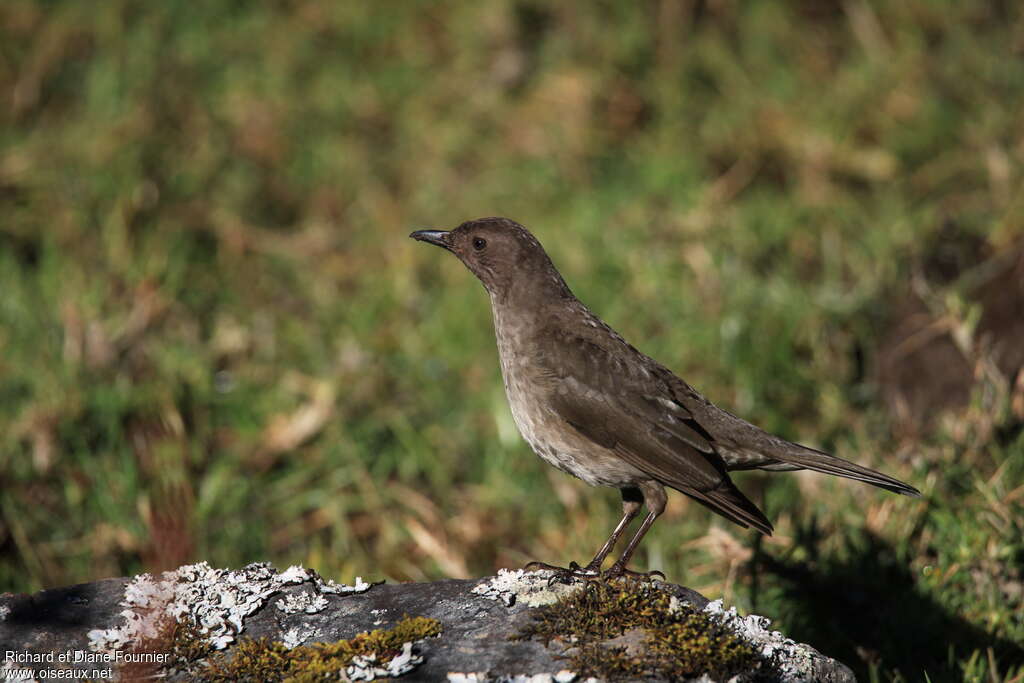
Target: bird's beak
(435,237)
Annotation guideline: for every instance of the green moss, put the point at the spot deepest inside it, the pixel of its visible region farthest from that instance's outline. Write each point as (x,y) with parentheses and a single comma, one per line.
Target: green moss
(251,660)
(264,660)
(678,640)
(608,662)
(188,649)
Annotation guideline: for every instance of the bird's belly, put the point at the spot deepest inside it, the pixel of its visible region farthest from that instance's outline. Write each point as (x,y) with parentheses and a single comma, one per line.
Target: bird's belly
(558,444)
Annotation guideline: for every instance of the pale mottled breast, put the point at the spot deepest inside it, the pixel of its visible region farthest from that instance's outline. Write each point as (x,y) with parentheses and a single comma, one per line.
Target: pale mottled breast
(550,437)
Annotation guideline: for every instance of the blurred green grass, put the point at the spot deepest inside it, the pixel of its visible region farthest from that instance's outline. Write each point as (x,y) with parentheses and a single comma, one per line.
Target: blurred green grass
(217,343)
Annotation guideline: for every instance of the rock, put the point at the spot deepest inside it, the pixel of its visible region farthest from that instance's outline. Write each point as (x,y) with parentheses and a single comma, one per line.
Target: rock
(108,626)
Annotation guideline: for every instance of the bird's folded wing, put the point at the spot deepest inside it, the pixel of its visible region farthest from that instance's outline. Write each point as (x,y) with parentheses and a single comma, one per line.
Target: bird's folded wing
(622,402)
(656,452)
(618,403)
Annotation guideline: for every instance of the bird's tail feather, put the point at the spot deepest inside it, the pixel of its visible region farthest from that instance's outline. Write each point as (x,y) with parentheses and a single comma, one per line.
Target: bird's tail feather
(729,501)
(811,459)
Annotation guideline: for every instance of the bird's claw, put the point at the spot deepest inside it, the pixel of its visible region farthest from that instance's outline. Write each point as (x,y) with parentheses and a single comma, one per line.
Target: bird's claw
(574,572)
(617,572)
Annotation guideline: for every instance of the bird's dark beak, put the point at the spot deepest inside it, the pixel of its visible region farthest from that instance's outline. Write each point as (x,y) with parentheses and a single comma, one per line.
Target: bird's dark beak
(435,237)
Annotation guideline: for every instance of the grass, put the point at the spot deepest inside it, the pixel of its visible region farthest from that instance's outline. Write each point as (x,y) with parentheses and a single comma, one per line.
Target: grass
(216,341)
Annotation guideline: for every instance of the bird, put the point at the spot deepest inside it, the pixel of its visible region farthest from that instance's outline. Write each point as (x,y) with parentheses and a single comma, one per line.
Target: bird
(592,405)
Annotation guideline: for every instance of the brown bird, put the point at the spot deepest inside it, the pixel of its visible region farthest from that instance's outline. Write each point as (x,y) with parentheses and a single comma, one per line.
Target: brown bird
(590,404)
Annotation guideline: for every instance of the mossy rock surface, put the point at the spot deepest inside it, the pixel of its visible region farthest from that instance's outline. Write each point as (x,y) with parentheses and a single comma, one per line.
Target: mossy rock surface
(504,626)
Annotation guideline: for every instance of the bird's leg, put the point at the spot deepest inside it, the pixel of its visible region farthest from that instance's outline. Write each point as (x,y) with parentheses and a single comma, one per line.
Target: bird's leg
(632,500)
(631,503)
(655,499)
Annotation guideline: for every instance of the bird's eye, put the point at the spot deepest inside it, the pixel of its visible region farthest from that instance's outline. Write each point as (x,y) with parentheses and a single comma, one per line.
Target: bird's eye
(479,243)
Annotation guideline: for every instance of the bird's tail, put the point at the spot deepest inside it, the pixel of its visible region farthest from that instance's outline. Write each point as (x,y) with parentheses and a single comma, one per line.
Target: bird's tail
(795,456)
(729,501)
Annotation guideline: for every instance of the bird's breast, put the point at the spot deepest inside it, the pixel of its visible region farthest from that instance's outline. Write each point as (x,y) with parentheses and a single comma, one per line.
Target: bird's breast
(526,397)
(529,389)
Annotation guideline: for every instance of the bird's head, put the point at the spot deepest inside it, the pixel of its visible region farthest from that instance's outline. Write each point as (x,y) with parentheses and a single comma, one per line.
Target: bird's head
(501,253)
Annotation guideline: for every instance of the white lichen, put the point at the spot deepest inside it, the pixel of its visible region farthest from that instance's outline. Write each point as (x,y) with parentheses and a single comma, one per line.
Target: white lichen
(563,676)
(360,586)
(366,668)
(215,601)
(306,601)
(295,636)
(533,589)
(793,661)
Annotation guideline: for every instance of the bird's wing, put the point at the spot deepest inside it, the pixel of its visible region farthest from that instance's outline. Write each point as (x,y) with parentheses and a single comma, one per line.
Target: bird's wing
(620,401)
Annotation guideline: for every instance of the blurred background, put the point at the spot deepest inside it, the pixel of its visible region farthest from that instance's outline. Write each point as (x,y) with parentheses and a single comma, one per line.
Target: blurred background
(217,342)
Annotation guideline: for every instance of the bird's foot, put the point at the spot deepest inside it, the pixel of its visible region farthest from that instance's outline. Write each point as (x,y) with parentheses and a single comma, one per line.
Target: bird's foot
(574,572)
(617,571)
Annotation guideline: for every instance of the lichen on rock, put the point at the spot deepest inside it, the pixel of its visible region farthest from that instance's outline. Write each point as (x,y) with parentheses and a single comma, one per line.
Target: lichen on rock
(213,601)
(368,656)
(563,676)
(791,660)
(533,589)
(610,632)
